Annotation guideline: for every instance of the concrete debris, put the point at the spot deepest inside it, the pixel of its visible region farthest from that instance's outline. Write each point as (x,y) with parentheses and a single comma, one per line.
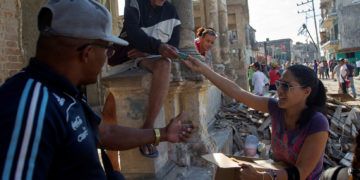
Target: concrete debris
(344,122)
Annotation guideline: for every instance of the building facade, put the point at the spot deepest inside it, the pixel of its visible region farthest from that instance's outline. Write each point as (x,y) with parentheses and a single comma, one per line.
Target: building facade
(340,34)
(304,52)
(279,51)
(251,45)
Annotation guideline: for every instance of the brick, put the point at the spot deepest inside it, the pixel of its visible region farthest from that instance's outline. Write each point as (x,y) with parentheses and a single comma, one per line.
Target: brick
(11,37)
(8,14)
(2,58)
(13,66)
(12,51)
(11,22)
(12,58)
(11,29)
(9,5)
(13,44)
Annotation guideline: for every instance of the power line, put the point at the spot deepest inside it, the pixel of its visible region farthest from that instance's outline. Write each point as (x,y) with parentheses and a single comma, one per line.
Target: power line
(314,16)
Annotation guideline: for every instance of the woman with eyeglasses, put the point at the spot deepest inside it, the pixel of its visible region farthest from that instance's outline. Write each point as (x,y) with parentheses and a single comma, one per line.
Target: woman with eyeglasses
(299,129)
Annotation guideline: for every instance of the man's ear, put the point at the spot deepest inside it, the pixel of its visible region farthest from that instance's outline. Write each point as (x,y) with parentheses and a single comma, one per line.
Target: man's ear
(87,53)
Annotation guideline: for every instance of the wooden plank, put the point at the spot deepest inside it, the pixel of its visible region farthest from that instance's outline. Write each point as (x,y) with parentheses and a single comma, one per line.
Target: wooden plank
(265,124)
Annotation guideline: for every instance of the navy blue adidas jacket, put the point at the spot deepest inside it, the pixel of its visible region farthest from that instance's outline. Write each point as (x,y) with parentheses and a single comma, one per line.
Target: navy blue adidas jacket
(146,27)
(47,130)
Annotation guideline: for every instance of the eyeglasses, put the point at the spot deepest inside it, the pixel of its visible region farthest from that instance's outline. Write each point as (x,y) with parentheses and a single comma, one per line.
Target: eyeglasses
(285,86)
(110,50)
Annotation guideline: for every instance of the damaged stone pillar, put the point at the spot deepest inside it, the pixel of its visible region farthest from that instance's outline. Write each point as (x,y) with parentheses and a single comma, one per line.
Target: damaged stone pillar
(223,31)
(212,21)
(237,69)
(224,41)
(184,9)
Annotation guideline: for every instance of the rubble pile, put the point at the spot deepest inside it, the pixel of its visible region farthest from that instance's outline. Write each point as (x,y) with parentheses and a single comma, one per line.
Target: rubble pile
(245,121)
(344,121)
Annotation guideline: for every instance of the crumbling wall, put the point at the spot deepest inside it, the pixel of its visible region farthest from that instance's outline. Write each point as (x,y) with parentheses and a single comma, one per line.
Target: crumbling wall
(30,32)
(349,26)
(11,59)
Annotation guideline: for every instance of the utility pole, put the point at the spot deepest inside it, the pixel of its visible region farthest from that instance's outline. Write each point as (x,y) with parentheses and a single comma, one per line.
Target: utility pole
(315,22)
(265,49)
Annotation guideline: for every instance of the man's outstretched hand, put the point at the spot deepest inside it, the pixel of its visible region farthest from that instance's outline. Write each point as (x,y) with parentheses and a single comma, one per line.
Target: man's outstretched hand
(177,130)
(168,51)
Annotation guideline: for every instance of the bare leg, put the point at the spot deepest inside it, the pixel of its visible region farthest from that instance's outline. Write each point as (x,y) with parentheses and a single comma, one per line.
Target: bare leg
(161,69)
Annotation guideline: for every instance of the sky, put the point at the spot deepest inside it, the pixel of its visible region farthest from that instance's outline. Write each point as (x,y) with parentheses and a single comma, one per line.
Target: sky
(277,19)
(121,4)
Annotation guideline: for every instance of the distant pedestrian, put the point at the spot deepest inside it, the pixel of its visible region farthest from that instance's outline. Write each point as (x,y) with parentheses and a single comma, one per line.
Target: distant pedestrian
(274,75)
(321,70)
(343,75)
(350,76)
(332,65)
(315,67)
(259,80)
(326,69)
(250,74)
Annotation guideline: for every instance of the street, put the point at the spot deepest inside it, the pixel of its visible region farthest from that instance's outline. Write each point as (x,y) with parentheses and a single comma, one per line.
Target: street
(332,88)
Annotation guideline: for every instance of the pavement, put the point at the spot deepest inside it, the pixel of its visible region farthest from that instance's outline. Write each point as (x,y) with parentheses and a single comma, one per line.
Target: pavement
(332,88)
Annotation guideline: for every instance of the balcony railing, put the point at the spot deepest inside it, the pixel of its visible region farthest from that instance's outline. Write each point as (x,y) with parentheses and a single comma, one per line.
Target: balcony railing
(330,41)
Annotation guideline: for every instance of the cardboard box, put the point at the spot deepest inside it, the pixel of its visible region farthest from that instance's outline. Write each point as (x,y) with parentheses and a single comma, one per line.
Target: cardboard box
(228,166)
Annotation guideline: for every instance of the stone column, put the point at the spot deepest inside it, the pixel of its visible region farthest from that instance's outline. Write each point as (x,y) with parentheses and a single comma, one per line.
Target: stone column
(223,31)
(192,99)
(242,20)
(237,69)
(212,20)
(184,9)
(112,5)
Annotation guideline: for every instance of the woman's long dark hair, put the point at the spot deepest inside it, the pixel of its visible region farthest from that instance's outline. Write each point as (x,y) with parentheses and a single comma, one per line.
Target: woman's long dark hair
(316,101)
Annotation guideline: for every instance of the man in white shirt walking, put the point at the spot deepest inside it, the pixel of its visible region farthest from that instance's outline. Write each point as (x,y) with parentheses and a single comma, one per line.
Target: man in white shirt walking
(259,80)
(343,75)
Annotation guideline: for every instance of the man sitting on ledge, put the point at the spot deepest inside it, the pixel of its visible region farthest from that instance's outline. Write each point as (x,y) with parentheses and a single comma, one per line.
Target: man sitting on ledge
(152,29)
